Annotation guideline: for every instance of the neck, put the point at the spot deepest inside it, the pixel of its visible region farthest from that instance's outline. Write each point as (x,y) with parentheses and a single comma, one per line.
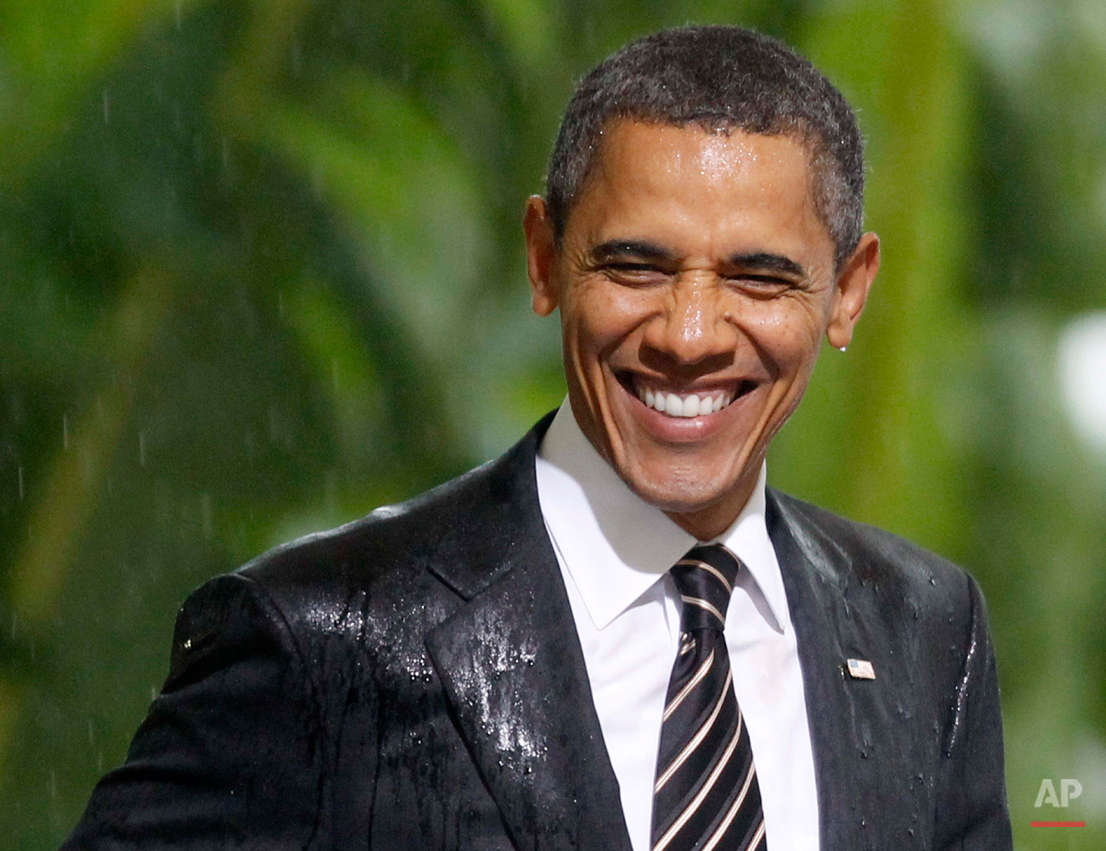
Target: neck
(711,521)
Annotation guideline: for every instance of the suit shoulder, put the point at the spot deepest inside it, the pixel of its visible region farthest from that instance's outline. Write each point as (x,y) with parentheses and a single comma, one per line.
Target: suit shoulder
(387,548)
(382,540)
(363,583)
(866,555)
(393,560)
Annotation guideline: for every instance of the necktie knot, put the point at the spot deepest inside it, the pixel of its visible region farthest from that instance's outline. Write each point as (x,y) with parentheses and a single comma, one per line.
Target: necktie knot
(704,578)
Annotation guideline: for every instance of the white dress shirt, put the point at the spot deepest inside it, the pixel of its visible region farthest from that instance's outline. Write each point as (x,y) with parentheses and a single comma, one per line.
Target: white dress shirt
(615,550)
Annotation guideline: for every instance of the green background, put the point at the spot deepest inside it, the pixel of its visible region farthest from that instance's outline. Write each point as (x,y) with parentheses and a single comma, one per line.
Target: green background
(261,271)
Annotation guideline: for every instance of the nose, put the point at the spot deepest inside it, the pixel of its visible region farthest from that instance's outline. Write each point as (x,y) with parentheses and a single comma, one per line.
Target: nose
(693,329)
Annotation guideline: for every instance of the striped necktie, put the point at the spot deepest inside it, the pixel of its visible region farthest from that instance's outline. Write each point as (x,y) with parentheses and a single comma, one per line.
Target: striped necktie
(706,795)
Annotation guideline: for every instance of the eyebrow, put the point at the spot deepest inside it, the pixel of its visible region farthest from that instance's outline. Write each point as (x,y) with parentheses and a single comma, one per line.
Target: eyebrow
(616,248)
(763,261)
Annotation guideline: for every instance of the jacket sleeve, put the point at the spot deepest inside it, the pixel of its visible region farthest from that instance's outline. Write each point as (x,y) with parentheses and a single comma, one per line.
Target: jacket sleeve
(971,805)
(230,753)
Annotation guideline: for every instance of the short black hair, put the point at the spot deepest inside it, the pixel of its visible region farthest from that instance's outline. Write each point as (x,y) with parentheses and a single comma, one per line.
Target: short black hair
(720,78)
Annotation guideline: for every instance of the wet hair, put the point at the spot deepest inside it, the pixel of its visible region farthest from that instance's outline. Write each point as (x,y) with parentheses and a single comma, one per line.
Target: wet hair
(719,78)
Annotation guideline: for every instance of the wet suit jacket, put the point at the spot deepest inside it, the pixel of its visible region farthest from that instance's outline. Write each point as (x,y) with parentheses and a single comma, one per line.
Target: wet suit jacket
(414,681)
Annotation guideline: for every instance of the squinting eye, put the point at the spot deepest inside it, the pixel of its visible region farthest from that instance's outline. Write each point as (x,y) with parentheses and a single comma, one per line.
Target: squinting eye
(633,272)
(760,285)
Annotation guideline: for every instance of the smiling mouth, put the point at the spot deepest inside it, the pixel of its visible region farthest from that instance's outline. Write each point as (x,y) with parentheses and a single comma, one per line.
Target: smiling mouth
(682,405)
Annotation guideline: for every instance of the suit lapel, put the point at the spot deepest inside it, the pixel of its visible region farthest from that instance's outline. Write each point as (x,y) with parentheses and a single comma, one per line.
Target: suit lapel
(815,577)
(512,669)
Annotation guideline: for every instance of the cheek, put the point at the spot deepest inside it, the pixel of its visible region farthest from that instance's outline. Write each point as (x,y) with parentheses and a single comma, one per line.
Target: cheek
(597,317)
(787,340)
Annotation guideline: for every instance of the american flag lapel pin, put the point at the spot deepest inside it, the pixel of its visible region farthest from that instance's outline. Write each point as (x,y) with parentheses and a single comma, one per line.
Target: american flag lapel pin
(860,669)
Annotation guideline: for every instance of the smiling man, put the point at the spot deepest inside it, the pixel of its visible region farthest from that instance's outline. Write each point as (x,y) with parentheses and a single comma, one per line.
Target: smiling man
(614,637)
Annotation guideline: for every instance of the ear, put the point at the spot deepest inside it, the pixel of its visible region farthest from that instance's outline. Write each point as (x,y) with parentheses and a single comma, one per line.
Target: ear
(853,284)
(540,256)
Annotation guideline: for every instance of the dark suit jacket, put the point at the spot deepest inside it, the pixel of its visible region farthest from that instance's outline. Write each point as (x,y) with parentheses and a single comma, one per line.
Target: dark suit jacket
(414,681)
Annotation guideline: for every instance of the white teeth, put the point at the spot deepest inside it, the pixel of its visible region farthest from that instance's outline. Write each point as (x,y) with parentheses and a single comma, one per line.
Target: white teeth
(684,406)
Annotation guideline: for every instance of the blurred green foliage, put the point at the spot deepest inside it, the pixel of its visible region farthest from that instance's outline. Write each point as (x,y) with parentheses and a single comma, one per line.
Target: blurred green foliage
(262,271)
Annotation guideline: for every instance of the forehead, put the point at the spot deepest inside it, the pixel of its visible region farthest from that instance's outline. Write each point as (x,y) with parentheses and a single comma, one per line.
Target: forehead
(721,148)
(699,187)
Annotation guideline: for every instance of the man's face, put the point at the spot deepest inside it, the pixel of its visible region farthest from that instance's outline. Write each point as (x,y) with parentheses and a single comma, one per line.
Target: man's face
(695,283)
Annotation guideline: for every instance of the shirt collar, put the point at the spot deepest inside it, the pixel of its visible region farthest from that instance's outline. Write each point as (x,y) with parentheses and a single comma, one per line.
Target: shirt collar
(615,546)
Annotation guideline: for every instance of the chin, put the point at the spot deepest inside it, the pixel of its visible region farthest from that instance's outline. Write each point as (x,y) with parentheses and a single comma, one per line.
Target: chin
(677,491)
